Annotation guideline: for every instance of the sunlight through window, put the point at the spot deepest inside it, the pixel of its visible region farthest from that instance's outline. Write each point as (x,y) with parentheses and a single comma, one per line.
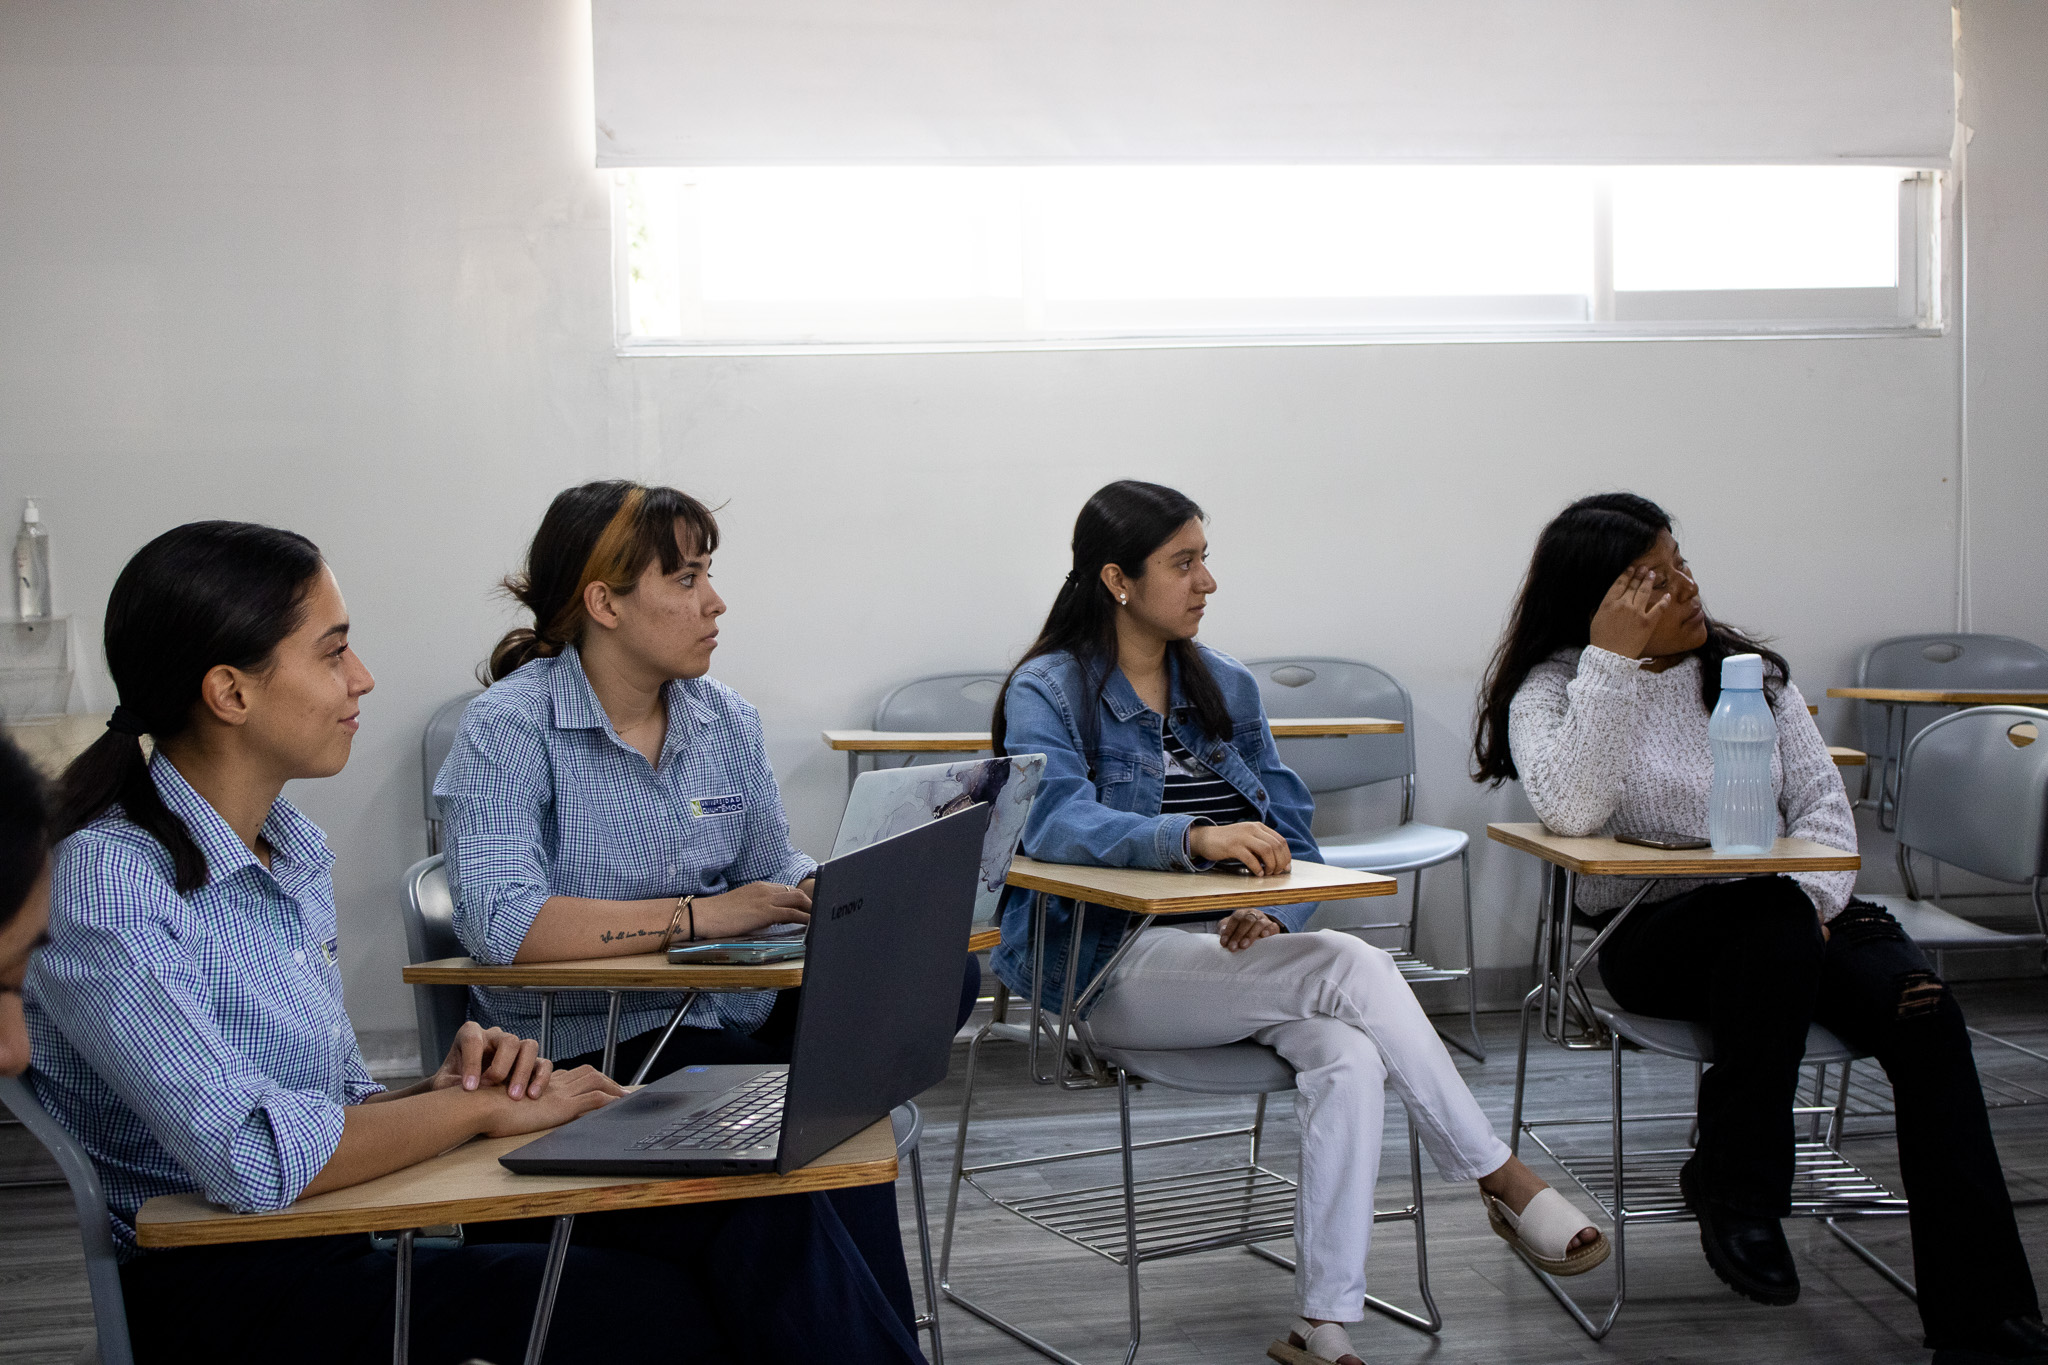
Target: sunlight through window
(807,256)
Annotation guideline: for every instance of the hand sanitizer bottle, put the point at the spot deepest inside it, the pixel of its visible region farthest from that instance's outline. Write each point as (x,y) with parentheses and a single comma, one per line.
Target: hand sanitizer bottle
(1742,815)
(32,567)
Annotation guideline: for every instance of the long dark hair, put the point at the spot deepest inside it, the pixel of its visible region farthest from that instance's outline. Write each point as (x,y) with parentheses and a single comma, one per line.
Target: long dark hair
(1578,557)
(1122,524)
(607,532)
(206,594)
(24,829)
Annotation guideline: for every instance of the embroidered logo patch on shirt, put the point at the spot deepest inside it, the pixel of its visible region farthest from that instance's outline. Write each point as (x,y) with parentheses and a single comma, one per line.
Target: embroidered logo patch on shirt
(702,807)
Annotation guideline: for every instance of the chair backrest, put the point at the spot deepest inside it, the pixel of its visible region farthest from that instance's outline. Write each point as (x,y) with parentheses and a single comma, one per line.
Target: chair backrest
(102,1270)
(435,742)
(1308,687)
(429,912)
(948,701)
(1994,663)
(1974,792)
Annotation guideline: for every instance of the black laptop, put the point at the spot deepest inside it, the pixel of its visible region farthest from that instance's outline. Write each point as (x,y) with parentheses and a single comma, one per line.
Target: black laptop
(874,1028)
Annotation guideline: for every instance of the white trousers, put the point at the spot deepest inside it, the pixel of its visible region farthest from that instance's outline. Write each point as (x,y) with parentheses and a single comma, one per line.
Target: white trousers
(1337,1009)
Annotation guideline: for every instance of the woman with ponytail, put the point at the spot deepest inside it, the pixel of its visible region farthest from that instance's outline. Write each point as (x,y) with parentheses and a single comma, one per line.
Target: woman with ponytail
(187,1027)
(1159,755)
(604,797)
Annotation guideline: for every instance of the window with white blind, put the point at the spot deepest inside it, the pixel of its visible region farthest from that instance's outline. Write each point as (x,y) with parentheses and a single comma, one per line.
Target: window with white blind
(770,258)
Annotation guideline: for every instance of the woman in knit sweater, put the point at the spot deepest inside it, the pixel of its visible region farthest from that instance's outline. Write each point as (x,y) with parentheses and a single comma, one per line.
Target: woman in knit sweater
(1598,699)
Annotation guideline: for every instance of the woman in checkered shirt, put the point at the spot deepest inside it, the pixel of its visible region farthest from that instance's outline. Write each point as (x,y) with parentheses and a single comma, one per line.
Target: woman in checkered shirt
(187,1027)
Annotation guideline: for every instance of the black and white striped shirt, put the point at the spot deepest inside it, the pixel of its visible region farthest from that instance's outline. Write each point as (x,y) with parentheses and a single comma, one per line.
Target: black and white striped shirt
(1192,789)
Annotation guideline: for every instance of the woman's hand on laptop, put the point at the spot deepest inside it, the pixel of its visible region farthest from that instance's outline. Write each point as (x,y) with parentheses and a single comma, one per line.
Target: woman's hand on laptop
(566,1095)
(1259,847)
(749,908)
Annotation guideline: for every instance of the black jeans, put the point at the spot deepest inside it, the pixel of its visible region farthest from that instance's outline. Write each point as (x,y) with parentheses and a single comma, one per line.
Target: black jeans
(1748,959)
(773,1279)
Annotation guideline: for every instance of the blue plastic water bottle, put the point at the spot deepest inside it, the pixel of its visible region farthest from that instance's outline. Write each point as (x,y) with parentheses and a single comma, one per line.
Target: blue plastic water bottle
(1743,815)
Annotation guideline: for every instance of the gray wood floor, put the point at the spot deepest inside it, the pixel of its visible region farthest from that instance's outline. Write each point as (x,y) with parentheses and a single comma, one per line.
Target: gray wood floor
(1226,1305)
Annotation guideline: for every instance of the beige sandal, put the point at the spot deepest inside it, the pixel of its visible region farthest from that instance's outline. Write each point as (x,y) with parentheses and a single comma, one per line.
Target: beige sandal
(1544,1230)
(1328,1344)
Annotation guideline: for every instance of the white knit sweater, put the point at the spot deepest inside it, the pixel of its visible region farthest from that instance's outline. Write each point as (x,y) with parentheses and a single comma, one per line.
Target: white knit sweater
(1604,745)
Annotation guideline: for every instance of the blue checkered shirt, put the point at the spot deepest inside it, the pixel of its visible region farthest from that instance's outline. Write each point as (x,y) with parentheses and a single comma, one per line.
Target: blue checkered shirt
(540,797)
(194,1041)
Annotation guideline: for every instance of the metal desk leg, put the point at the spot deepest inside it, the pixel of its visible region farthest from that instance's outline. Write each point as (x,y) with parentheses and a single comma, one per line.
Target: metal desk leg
(1894,763)
(547,1025)
(550,1281)
(611,1031)
(674,1021)
(401,1302)
(852,769)
(924,1246)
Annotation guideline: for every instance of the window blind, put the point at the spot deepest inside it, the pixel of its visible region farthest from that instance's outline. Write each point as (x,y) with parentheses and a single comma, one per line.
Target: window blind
(965,82)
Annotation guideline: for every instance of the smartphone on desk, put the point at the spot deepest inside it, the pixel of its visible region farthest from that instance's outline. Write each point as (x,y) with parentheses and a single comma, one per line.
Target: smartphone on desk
(1664,839)
(776,943)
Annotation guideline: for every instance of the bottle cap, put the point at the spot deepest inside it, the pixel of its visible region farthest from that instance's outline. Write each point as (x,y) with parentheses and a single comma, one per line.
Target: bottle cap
(1743,672)
(29,515)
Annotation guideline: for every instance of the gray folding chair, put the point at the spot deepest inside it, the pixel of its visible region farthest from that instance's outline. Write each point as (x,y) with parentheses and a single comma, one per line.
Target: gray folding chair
(945,701)
(429,914)
(1973,793)
(435,742)
(1990,663)
(1306,687)
(1128,1222)
(1636,1185)
(428,908)
(941,703)
(102,1270)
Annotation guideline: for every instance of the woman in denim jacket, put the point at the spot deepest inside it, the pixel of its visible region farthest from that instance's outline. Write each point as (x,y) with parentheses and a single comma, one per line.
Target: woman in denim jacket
(1158,756)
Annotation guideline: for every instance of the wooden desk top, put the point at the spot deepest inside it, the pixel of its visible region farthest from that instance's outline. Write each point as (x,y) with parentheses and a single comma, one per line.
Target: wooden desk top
(971,741)
(1936,696)
(908,741)
(640,972)
(1182,893)
(1600,856)
(468,1185)
(51,742)
(1847,758)
(1323,727)
(983,939)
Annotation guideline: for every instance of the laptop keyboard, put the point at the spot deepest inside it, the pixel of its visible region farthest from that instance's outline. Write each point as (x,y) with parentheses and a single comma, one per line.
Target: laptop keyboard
(746,1118)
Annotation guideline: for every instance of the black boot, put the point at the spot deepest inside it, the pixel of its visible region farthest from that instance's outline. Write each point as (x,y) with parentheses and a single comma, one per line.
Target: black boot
(1750,1254)
(2015,1339)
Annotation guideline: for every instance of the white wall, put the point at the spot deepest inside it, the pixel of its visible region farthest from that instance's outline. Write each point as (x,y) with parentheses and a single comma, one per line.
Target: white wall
(2004,62)
(345,267)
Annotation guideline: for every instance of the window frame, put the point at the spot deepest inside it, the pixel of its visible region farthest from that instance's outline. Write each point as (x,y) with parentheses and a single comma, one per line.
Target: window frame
(1914,307)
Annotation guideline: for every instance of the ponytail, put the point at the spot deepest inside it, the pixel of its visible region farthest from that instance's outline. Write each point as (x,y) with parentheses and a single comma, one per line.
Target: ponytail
(519,648)
(114,772)
(207,594)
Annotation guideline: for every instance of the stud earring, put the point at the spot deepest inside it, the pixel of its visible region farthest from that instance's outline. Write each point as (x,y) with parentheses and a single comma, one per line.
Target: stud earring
(1122,600)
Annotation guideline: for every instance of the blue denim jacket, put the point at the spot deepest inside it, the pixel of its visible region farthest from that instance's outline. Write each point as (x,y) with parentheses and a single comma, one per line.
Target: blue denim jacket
(1106,813)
